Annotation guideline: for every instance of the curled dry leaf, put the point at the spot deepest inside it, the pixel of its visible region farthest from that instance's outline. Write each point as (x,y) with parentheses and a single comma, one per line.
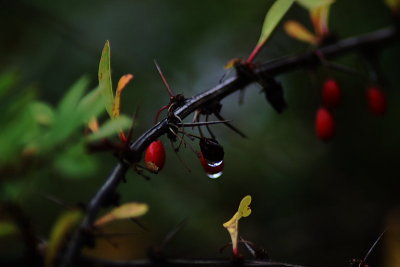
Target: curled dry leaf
(125,211)
(233,224)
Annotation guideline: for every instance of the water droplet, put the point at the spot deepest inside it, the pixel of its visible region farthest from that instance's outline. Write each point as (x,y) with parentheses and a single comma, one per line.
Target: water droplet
(214,175)
(214,164)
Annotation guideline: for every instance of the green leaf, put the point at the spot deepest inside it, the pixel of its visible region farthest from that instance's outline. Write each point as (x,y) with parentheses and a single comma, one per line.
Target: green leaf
(111,127)
(273,17)
(105,83)
(67,118)
(7,80)
(70,101)
(90,105)
(75,162)
(312,4)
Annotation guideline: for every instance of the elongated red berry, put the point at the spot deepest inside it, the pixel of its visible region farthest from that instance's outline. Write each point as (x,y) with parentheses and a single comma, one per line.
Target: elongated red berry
(376,100)
(324,124)
(155,156)
(211,171)
(331,93)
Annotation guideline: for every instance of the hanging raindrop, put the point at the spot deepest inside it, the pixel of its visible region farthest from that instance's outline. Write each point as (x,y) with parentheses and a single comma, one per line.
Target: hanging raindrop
(214,175)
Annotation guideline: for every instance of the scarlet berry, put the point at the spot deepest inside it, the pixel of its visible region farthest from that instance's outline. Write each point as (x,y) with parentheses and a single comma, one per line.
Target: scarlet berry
(376,100)
(324,124)
(155,156)
(331,93)
(211,171)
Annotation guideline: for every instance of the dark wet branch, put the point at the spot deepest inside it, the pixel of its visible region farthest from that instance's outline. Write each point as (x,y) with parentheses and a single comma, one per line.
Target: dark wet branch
(273,68)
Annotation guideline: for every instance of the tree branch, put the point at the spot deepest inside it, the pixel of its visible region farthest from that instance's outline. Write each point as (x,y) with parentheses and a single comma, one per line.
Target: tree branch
(268,69)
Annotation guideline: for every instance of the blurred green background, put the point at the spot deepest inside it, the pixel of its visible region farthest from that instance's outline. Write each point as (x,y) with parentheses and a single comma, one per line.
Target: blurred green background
(314,203)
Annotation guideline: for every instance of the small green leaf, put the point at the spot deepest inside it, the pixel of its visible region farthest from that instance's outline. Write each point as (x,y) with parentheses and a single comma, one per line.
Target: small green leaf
(111,127)
(90,105)
(312,4)
(7,80)
(75,162)
(105,78)
(67,118)
(273,17)
(70,101)
(125,211)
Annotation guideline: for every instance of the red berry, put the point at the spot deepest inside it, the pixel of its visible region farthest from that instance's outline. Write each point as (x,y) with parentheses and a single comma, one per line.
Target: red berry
(331,93)
(155,156)
(376,100)
(324,124)
(211,171)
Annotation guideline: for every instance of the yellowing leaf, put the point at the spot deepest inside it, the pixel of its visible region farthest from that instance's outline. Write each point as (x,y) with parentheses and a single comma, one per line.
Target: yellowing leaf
(105,83)
(123,81)
(7,228)
(394,5)
(244,209)
(272,19)
(312,4)
(125,211)
(233,224)
(296,30)
(63,227)
(319,18)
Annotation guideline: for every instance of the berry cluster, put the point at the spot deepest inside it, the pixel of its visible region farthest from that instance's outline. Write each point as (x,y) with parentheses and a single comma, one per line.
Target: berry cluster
(331,97)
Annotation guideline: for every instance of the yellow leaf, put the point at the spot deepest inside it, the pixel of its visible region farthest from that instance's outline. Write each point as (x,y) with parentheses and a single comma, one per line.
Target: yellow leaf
(59,234)
(233,224)
(104,74)
(296,30)
(319,17)
(125,211)
(123,81)
(244,209)
(272,19)
(394,5)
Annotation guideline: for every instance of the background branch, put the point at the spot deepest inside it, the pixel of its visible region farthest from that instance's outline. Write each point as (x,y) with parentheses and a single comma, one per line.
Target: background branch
(270,69)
